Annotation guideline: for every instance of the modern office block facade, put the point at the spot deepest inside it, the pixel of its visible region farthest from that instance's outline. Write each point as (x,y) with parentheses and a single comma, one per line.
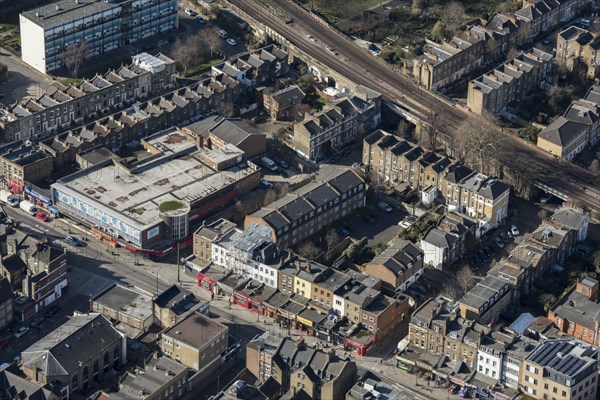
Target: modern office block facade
(52,34)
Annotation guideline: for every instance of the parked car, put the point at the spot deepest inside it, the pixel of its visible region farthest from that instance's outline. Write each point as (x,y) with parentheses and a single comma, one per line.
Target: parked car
(282,163)
(311,38)
(483,255)
(385,206)
(344,232)
(408,221)
(266,183)
(489,250)
(515,230)
(17,359)
(51,311)
(368,219)
(499,242)
(504,237)
(231,42)
(22,331)
(190,12)
(42,216)
(545,198)
(376,216)
(73,241)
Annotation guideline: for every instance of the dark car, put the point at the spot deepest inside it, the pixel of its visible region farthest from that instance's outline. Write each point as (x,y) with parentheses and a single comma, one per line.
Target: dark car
(368,219)
(483,255)
(375,216)
(504,237)
(51,311)
(282,163)
(489,250)
(344,232)
(477,260)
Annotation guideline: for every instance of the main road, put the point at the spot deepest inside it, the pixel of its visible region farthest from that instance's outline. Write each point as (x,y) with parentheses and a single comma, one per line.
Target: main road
(359,66)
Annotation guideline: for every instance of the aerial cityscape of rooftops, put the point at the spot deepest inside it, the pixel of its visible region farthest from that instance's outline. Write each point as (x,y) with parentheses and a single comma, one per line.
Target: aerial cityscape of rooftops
(299,199)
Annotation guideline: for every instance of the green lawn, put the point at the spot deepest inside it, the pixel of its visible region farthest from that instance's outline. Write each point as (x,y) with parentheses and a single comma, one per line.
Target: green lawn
(202,67)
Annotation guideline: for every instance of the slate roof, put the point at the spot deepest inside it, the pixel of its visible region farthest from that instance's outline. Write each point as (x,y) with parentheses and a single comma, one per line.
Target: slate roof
(176,298)
(569,218)
(79,338)
(562,131)
(397,257)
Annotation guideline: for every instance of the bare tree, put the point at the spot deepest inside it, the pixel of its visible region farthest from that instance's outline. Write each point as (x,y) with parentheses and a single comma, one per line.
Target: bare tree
(453,16)
(432,131)
(190,51)
(213,41)
(309,250)
(547,300)
(376,184)
(73,56)
(512,53)
(465,278)
(479,144)
(331,239)
(451,291)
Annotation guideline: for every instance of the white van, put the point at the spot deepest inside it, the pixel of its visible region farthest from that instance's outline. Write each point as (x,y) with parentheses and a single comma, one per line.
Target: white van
(222,34)
(267,162)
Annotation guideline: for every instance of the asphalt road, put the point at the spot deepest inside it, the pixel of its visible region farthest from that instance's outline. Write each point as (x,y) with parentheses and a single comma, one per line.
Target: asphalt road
(362,68)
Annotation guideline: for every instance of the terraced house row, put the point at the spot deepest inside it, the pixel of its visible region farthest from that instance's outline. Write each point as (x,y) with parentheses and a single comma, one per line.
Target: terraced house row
(404,165)
(63,107)
(444,63)
(306,211)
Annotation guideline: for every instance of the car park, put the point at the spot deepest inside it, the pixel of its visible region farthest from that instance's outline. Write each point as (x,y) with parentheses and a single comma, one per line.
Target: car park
(282,163)
(266,183)
(22,331)
(231,42)
(515,230)
(382,205)
(73,241)
(499,242)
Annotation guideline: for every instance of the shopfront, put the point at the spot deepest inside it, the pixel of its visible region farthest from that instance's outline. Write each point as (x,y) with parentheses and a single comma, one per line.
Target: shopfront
(241,299)
(358,346)
(208,284)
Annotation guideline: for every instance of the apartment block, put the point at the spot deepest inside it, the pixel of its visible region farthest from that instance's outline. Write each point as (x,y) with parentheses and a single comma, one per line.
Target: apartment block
(577,312)
(304,212)
(23,163)
(544,15)
(345,121)
(50,34)
(299,369)
(577,48)
(280,104)
(76,355)
(206,235)
(196,342)
(436,330)
(577,128)
(484,303)
(404,165)
(512,81)
(561,369)
(445,63)
(64,107)
(398,266)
